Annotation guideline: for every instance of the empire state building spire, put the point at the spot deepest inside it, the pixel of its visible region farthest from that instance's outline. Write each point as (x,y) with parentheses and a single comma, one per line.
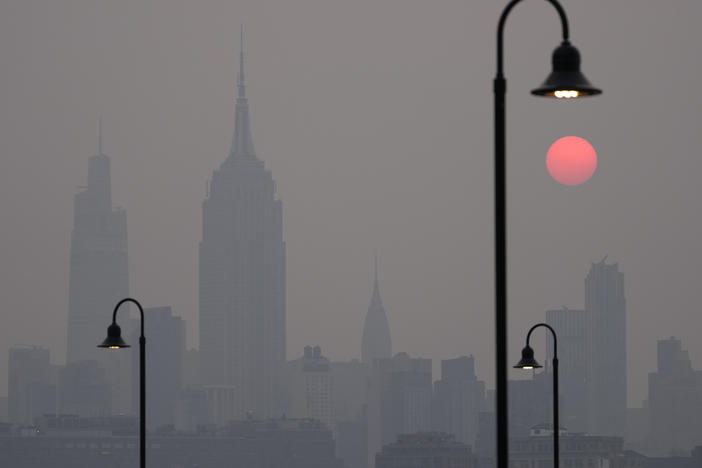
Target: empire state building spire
(242,143)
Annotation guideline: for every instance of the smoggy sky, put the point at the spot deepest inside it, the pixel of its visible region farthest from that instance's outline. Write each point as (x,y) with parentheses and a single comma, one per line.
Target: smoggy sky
(375,117)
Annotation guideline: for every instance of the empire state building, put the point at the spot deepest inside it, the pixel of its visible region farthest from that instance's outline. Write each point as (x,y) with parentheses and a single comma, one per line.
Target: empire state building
(242,276)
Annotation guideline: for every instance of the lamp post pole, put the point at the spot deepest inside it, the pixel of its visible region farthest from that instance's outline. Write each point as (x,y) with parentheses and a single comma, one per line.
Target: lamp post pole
(565,81)
(528,362)
(114,341)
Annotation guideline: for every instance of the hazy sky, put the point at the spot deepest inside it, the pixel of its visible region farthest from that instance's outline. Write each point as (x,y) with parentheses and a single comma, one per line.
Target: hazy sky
(375,117)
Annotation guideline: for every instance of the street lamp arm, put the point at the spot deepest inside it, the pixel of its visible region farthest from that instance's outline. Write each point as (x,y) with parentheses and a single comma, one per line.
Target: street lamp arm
(503,19)
(553,333)
(133,301)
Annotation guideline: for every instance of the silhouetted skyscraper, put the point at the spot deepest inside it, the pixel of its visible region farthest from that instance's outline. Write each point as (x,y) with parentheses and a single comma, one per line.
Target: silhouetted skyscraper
(458,399)
(399,400)
(675,401)
(31,392)
(242,275)
(83,389)
(376,331)
(571,328)
(99,276)
(164,363)
(606,344)
(310,383)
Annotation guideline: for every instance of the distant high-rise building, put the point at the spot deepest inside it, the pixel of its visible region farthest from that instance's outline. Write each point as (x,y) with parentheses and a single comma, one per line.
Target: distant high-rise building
(530,403)
(399,400)
(31,392)
(350,411)
(458,399)
(99,273)
(311,385)
(571,327)
(675,401)
(376,331)
(164,360)
(99,276)
(350,384)
(84,390)
(606,349)
(242,276)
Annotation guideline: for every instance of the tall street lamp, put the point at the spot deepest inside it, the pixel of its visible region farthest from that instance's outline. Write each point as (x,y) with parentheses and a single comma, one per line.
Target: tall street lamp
(114,341)
(564,82)
(528,362)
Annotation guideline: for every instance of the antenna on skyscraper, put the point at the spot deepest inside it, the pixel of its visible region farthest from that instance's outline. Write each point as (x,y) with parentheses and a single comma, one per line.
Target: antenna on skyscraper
(100,134)
(375,259)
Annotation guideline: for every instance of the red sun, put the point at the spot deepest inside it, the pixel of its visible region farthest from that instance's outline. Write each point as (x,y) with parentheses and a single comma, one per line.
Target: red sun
(571,160)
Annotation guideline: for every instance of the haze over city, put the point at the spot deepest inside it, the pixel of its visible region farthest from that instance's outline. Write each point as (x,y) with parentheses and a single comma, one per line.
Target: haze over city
(375,120)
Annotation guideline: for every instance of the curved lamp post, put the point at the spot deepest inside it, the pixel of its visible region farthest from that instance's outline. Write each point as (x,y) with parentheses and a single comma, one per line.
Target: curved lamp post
(528,362)
(564,82)
(114,341)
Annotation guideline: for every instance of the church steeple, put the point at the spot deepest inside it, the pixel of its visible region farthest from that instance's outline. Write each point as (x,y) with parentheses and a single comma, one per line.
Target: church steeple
(376,330)
(242,142)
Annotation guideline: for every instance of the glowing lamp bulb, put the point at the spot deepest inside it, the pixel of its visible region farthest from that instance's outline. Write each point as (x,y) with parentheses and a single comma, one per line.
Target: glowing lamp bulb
(571,160)
(528,367)
(113,347)
(566,93)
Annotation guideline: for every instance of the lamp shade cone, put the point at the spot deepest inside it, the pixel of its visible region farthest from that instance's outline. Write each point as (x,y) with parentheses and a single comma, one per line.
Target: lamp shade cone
(114,338)
(566,80)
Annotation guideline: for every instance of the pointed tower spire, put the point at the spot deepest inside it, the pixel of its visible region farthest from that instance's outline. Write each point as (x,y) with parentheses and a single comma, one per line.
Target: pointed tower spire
(100,134)
(375,258)
(376,329)
(242,143)
(241,82)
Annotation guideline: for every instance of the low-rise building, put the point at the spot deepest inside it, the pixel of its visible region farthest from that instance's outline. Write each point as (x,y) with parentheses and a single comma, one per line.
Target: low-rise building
(425,450)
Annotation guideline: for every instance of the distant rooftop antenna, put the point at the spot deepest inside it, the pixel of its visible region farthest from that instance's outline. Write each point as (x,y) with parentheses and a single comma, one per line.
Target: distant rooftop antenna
(100,134)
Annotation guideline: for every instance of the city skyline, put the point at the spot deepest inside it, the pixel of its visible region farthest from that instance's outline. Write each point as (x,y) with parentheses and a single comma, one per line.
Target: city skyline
(354,175)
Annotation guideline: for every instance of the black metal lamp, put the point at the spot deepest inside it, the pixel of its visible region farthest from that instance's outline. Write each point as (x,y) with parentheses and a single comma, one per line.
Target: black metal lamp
(566,81)
(527,361)
(114,341)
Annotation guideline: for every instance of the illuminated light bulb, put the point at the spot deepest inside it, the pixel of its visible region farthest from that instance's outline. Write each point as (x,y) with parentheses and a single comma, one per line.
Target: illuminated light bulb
(566,93)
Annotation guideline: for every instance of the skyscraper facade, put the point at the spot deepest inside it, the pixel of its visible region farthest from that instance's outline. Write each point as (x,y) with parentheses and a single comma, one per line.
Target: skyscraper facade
(310,383)
(99,274)
(376,330)
(458,399)
(30,390)
(399,400)
(164,360)
(242,275)
(99,277)
(570,326)
(674,401)
(606,347)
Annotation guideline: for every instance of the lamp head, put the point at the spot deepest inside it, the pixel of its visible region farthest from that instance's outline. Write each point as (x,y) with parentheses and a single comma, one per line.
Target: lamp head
(527,361)
(566,81)
(114,338)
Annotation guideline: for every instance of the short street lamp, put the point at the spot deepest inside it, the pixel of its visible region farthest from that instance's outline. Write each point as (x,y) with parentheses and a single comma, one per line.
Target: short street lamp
(565,81)
(114,341)
(528,362)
